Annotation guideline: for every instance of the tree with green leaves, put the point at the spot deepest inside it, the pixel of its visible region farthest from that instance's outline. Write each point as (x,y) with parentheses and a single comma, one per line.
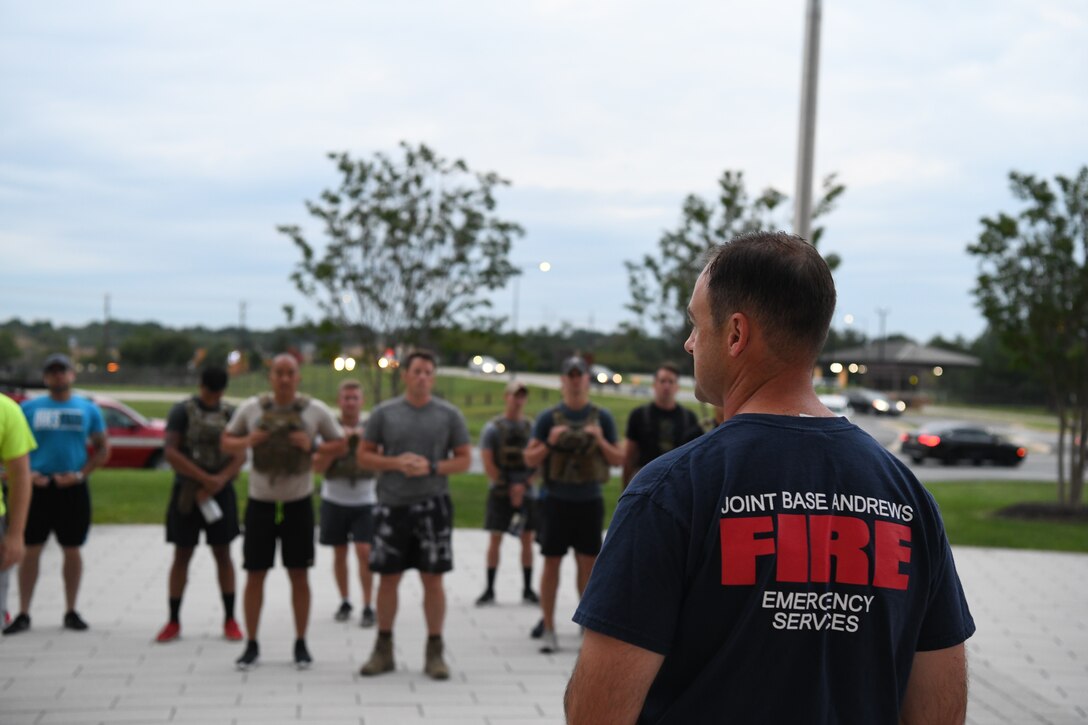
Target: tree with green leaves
(661,284)
(1033,290)
(410,244)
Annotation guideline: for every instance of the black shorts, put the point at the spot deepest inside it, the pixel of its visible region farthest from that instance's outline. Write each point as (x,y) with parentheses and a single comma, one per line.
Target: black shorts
(340,523)
(567,524)
(499,513)
(292,522)
(413,537)
(184,529)
(64,511)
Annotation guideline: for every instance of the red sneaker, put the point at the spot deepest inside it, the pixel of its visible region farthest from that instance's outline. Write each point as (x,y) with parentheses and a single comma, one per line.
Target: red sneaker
(231,631)
(169,633)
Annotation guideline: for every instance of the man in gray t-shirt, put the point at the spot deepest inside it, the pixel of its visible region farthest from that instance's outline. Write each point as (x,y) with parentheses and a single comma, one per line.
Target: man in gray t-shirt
(416,435)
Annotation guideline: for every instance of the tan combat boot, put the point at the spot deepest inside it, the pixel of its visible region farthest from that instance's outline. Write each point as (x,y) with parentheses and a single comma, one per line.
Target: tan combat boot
(434,666)
(381,659)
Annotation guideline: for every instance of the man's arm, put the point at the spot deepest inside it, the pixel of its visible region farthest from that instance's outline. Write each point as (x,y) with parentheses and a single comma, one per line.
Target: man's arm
(937,688)
(487,457)
(12,545)
(630,461)
(610,681)
(101,445)
(462,459)
(535,453)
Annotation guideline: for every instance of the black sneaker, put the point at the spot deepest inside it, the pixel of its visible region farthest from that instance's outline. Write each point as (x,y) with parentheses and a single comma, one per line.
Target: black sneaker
(537,631)
(367,619)
(20,624)
(488,597)
(343,614)
(249,657)
(72,620)
(303,660)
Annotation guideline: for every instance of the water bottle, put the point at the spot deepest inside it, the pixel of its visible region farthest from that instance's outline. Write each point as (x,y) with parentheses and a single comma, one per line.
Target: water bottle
(210,509)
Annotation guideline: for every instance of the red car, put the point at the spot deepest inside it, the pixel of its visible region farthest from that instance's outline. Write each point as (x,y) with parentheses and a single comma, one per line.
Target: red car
(135,441)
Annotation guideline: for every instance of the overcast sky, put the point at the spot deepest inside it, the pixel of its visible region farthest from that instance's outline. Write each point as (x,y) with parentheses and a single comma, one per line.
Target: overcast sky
(148,150)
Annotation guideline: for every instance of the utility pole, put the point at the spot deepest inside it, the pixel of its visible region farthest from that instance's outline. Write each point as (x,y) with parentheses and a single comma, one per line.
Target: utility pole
(802,210)
(106,356)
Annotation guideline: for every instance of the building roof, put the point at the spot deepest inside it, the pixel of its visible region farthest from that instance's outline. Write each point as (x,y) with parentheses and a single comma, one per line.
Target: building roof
(900,353)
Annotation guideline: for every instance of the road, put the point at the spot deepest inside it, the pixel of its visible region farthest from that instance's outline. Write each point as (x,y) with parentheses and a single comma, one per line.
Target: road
(1040,465)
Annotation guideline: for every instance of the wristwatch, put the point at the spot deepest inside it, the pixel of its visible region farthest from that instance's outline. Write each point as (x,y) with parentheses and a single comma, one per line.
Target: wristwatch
(434,468)
(80,478)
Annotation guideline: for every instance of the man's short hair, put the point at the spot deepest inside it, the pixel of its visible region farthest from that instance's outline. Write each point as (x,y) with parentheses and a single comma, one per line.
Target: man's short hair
(669,366)
(214,378)
(420,353)
(781,281)
(350,384)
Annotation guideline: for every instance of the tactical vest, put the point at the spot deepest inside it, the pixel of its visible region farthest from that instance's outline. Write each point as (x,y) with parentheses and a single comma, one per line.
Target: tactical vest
(202,435)
(276,456)
(576,457)
(510,456)
(346,467)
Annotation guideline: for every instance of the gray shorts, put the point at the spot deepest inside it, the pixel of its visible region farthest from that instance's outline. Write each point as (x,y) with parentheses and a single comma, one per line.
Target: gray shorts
(340,523)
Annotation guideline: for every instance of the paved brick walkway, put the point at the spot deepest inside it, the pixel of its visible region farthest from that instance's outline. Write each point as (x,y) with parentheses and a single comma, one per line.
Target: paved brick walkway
(1029,660)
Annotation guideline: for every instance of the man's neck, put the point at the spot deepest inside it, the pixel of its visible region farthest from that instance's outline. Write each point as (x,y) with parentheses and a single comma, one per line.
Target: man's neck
(61,396)
(576,402)
(284,399)
(789,392)
(208,401)
(417,400)
(350,420)
(666,405)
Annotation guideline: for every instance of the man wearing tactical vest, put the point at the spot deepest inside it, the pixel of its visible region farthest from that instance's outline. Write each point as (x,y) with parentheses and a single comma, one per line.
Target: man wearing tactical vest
(348,497)
(658,427)
(510,502)
(417,434)
(576,442)
(280,427)
(203,473)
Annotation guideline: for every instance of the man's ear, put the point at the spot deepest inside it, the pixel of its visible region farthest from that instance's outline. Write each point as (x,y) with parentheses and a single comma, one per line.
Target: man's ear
(738,331)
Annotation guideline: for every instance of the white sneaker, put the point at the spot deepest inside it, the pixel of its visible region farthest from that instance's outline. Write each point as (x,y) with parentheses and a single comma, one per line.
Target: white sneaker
(549,642)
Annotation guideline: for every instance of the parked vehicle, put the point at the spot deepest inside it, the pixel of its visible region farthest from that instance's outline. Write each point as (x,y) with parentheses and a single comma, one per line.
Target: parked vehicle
(837,404)
(951,443)
(600,375)
(486,365)
(872,402)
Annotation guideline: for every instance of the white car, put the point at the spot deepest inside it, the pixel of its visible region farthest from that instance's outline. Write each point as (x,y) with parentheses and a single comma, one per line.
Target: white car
(837,404)
(600,375)
(486,364)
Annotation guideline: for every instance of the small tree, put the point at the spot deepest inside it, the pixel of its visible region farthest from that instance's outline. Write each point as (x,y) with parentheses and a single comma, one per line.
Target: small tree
(1033,290)
(410,244)
(661,285)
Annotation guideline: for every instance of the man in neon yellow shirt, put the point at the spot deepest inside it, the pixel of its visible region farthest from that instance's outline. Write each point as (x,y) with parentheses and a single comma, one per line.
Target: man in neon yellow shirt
(16,443)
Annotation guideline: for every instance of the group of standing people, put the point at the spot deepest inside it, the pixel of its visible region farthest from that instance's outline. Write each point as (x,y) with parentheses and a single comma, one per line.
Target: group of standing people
(740,579)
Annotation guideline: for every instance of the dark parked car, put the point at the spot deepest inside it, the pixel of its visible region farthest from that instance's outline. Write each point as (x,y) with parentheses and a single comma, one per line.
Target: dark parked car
(951,443)
(872,402)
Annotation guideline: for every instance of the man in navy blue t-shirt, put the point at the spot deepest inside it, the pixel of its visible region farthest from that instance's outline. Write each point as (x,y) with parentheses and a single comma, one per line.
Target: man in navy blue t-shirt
(783,568)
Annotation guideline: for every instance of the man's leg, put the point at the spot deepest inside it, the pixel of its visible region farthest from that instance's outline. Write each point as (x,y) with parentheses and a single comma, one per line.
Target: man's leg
(73,575)
(28,576)
(434,603)
(388,585)
(527,594)
(225,571)
(493,546)
(179,573)
(340,569)
(366,579)
(585,568)
(549,588)
(300,599)
(253,601)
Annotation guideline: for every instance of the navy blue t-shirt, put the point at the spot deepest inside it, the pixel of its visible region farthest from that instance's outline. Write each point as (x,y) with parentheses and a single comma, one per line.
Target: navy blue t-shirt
(788,568)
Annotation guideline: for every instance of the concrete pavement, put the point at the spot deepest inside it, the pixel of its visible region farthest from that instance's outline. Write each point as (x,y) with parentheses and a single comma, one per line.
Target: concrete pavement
(1029,659)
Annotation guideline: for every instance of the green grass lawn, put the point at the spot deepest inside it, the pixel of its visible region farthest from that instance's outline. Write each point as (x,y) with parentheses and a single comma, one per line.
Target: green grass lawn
(139,497)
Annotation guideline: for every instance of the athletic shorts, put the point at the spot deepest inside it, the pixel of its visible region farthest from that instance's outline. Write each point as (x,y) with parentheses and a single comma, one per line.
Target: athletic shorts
(64,511)
(570,524)
(417,536)
(499,513)
(290,522)
(184,529)
(339,523)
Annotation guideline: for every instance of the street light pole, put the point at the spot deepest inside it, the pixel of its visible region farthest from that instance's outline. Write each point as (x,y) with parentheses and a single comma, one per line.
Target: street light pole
(802,210)
(543,267)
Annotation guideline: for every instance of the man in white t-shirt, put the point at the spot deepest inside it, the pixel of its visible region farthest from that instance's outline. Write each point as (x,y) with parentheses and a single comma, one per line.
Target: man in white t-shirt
(348,496)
